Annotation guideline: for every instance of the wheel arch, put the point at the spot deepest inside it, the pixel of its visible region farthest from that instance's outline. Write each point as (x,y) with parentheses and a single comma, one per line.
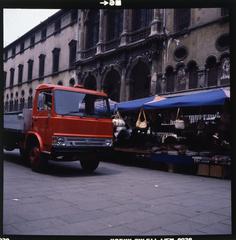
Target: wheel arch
(33,137)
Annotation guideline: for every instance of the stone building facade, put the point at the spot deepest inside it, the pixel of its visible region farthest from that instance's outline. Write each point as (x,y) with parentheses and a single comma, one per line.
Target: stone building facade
(134,53)
(128,53)
(45,54)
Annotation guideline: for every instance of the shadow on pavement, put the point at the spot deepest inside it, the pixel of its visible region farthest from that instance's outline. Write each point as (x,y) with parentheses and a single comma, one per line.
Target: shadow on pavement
(73,169)
(61,169)
(14,157)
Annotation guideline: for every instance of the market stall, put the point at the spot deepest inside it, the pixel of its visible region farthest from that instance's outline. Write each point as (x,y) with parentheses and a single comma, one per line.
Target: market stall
(187,130)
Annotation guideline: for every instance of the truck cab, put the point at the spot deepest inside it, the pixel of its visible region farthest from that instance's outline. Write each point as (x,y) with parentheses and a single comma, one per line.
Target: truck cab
(66,124)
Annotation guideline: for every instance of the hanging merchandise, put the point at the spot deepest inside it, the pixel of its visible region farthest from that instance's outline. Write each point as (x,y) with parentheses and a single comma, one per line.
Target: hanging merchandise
(179,124)
(118,120)
(142,124)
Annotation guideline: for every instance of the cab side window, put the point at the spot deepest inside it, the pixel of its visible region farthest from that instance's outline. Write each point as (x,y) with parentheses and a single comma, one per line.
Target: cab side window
(44,101)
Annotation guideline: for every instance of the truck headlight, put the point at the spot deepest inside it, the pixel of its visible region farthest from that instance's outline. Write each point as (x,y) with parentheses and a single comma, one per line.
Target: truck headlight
(58,141)
(108,142)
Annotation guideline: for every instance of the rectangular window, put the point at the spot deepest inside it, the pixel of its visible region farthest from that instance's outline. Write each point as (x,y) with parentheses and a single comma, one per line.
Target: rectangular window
(13,51)
(72,54)
(44,34)
(41,65)
(55,64)
(5,55)
(5,79)
(20,73)
(32,41)
(22,47)
(182,18)
(30,69)
(12,71)
(74,15)
(57,26)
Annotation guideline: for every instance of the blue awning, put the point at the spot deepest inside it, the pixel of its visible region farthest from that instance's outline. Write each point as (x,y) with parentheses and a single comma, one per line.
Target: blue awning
(205,98)
(134,104)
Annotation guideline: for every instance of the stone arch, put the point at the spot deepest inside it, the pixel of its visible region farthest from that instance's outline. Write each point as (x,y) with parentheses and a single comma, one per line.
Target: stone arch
(192,69)
(212,71)
(139,80)
(72,82)
(170,79)
(6,106)
(132,63)
(22,103)
(90,82)
(60,82)
(11,103)
(181,77)
(15,107)
(107,69)
(224,55)
(111,84)
(30,98)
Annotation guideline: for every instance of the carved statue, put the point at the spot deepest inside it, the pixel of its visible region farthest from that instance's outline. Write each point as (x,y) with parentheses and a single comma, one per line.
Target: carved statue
(181,76)
(225,68)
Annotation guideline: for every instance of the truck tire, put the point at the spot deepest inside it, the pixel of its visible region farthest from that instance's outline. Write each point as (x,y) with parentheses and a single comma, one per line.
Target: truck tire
(89,163)
(37,162)
(24,156)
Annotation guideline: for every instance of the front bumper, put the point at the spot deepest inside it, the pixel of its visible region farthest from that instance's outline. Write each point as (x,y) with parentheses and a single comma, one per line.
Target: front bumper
(64,146)
(61,141)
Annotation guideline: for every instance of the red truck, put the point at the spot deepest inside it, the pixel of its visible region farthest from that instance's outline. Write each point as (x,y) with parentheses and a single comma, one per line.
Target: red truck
(65,123)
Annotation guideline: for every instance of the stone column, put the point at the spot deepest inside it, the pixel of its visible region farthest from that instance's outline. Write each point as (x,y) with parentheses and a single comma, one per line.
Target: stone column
(202,78)
(99,82)
(156,22)
(124,34)
(101,25)
(154,76)
(127,89)
(123,85)
(81,33)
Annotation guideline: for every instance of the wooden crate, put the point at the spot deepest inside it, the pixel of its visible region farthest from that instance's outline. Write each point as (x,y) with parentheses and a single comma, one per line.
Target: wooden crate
(217,170)
(203,169)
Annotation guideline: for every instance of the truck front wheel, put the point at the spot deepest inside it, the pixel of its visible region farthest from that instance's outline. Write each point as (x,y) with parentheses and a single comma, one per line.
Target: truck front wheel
(37,162)
(88,164)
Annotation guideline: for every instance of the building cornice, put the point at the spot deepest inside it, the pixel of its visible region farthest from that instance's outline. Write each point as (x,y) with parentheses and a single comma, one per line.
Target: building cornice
(38,27)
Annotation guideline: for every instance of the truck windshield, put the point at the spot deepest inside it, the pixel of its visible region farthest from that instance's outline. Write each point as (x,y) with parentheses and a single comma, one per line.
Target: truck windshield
(81,104)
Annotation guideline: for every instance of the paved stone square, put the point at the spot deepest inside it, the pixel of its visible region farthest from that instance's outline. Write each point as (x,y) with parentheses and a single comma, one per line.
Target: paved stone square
(118,199)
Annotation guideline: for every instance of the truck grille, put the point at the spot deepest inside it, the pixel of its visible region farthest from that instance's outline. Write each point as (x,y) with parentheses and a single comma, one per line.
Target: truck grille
(84,142)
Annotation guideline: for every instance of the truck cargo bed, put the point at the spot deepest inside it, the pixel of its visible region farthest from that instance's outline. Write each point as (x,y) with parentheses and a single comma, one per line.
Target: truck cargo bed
(19,121)
(12,122)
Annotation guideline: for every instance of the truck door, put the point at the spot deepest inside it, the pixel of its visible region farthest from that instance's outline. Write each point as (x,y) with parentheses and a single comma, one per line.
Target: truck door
(42,119)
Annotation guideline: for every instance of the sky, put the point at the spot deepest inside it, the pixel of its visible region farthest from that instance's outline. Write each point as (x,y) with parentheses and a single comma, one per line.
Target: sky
(16,22)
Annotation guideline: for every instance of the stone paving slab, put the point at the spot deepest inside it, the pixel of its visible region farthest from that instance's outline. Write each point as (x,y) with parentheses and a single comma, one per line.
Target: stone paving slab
(115,200)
